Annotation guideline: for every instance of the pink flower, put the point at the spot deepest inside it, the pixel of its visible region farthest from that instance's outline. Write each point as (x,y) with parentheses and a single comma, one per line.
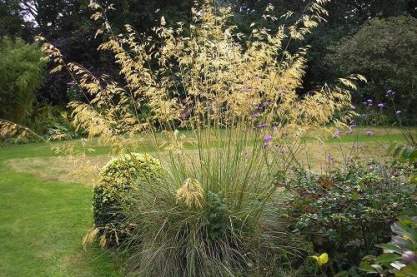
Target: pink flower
(337,133)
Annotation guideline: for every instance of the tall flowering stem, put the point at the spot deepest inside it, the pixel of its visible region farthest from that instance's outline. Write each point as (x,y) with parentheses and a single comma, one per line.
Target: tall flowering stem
(193,76)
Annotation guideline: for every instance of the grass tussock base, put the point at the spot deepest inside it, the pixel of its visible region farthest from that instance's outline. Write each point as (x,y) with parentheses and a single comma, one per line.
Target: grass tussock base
(214,213)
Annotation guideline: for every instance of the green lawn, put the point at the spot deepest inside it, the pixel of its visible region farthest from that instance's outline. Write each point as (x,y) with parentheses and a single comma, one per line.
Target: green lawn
(42,224)
(42,221)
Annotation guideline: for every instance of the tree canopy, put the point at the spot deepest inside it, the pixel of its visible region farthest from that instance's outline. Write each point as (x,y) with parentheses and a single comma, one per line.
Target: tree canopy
(67,24)
(384,50)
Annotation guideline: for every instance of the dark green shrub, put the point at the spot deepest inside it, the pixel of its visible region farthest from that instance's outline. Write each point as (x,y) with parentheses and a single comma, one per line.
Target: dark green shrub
(384,51)
(118,178)
(54,123)
(21,71)
(407,153)
(346,212)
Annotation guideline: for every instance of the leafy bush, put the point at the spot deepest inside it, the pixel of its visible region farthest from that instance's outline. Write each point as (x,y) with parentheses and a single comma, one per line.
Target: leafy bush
(21,69)
(53,122)
(407,153)
(383,50)
(400,254)
(118,178)
(346,212)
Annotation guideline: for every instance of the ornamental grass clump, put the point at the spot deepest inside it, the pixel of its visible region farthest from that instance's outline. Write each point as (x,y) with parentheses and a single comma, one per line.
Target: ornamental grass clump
(215,209)
(178,75)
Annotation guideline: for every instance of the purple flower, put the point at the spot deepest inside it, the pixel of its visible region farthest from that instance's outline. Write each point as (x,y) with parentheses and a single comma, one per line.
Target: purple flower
(409,257)
(267,140)
(337,133)
(265,104)
(381,105)
(255,115)
(329,158)
(185,114)
(369,101)
(369,133)
(262,125)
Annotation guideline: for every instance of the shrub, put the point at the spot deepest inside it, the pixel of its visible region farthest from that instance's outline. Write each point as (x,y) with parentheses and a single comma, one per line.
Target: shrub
(118,178)
(407,153)
(383,51)
(21,71)
(345,213)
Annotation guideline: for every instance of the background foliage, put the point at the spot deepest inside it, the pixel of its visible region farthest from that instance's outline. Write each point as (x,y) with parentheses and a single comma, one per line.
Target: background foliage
(66,24)
(21,72)
(384,51)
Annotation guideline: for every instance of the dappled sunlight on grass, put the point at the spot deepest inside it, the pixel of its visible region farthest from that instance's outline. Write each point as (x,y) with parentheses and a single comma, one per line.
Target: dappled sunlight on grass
(76,169)
(41,227)
(84,169)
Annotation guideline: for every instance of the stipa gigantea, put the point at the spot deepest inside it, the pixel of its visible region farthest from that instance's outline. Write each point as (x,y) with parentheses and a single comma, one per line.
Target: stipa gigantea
(229,96)
(202,70)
